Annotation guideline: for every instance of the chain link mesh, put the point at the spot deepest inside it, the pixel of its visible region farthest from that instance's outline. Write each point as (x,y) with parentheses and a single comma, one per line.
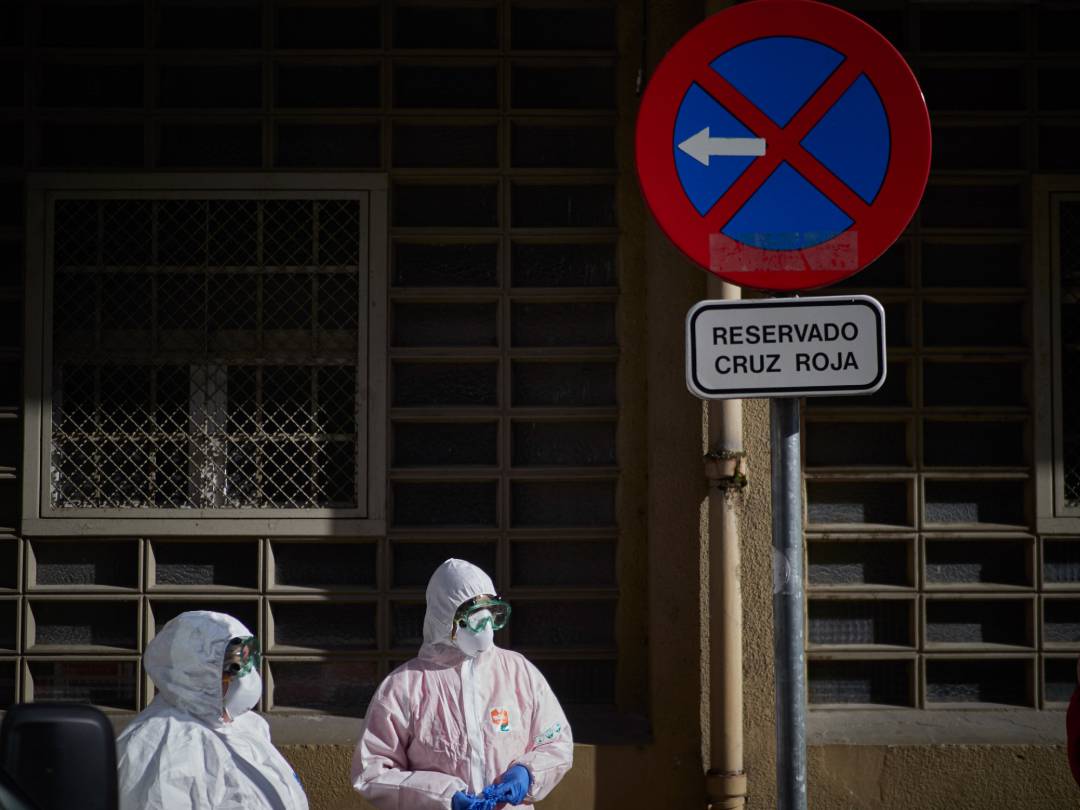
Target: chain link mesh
(204,354)
(1069,245)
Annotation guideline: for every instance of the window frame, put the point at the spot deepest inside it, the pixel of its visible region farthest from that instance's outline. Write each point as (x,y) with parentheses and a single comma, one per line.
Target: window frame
(1052,516)
(41,519)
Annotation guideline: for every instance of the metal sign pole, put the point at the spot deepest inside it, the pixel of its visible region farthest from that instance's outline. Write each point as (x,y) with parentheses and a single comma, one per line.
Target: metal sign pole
(789,658)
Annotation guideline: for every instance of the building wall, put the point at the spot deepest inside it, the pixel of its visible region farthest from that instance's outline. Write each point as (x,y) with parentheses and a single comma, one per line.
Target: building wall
(939,755)
(65,106)
(663,768)
(663,623)
(1009,770)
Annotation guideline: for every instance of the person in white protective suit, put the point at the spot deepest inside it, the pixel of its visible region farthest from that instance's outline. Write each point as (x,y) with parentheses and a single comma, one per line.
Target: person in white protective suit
(198,746)
(465,725)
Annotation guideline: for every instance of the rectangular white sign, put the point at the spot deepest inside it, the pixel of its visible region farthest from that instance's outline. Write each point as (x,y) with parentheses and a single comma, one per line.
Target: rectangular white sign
(785,347)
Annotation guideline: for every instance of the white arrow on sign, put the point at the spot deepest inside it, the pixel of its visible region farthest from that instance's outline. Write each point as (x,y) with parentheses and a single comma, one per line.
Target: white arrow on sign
(700,147)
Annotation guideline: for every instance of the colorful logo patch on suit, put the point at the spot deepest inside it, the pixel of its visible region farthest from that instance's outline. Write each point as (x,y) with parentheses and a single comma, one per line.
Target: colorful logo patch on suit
(548,734)
(500,718)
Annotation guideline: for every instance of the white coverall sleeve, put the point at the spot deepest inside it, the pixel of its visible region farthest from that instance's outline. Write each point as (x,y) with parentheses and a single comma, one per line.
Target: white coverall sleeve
(551,745)
(380,766)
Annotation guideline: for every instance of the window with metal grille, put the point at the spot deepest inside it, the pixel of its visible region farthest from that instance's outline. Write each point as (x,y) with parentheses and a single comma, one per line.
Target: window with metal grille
(1067,244)
(1059,503)
(207,353)
(1057,207)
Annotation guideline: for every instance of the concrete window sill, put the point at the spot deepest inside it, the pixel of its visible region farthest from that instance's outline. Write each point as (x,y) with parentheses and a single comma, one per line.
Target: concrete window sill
(937,727)
(325,729)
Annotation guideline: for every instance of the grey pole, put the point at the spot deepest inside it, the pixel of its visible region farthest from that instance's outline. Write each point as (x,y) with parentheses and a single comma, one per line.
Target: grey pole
(789,658)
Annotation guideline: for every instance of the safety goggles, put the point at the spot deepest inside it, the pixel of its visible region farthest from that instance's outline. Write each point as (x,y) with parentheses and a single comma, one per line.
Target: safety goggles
(478,613)
(242,656)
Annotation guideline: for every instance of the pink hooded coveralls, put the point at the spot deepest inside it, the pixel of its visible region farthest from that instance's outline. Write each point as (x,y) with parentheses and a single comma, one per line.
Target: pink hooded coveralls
(445,722)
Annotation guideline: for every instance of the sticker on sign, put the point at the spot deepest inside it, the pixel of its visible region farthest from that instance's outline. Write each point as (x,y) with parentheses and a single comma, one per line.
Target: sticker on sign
(789,347)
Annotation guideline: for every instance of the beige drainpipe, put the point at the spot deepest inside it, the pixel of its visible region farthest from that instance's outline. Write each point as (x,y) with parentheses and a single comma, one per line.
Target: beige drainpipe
(725,781)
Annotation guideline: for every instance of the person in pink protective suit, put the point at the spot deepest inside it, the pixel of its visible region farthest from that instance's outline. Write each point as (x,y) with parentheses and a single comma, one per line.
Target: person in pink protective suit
(465,725)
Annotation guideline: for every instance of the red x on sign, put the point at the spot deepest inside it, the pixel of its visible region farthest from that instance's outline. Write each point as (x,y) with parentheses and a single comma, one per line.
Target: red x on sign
(783,144)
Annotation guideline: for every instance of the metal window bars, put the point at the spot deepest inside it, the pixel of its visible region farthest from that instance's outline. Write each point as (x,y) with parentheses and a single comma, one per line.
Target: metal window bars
(1069,257)
(205,353)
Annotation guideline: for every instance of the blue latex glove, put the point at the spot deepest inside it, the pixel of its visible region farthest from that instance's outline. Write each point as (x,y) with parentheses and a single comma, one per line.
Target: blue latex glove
(489,798)
(513,786)
(467,801)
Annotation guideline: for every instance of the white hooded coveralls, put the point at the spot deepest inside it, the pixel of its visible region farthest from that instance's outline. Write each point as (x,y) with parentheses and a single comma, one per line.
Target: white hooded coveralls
(444,722)
(178,754)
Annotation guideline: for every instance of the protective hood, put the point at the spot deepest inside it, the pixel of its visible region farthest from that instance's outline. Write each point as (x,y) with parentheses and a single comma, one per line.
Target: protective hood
(454,582)
(184,661)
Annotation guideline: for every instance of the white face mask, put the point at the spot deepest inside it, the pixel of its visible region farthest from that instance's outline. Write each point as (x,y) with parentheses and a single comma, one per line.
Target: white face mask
(472,644)
(243,694)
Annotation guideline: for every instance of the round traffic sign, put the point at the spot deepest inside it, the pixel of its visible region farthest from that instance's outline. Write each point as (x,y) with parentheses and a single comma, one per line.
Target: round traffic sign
(783,144)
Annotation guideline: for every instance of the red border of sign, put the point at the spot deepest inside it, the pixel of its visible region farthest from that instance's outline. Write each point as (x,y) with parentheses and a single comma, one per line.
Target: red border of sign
(877,225)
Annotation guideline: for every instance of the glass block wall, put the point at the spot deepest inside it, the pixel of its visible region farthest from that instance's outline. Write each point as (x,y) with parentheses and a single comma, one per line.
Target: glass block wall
(496,122)
(928,584)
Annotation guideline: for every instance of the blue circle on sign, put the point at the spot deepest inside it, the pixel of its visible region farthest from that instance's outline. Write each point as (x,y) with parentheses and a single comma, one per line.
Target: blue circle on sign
(779,75)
